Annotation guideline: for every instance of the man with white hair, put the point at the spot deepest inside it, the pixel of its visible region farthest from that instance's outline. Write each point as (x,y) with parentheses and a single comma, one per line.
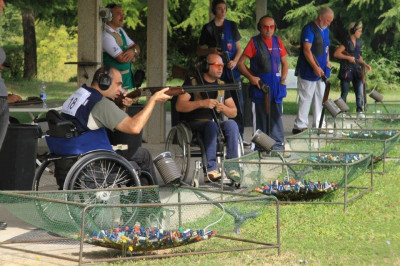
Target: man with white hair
(312,64)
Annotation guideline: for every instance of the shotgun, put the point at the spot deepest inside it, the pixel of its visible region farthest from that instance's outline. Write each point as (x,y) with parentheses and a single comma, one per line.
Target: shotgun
(363,79)
(266,89)
(236,95)
(175,91)
(326,94)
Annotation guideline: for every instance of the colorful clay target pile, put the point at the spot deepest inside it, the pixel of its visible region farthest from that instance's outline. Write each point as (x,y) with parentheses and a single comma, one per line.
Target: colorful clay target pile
(292,190)
(334,158)
(135,238)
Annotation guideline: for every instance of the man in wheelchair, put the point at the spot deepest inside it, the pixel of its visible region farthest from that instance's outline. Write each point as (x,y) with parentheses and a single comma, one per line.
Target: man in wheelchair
(203,110)
(92,108)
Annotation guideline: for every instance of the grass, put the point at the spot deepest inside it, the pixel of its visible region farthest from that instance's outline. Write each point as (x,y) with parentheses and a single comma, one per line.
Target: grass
(367,233)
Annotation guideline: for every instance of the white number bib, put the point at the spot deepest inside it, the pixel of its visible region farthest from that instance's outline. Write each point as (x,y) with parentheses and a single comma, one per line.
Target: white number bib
(77,99)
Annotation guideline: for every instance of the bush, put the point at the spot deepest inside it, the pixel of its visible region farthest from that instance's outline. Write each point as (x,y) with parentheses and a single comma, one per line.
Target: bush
(15,56)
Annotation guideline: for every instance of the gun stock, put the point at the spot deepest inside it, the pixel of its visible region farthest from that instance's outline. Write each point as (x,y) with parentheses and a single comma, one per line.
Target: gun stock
(133,94)
(266,90)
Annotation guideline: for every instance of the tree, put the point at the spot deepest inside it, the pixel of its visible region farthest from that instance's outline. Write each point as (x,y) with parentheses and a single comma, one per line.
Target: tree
(56,12)
(30,55)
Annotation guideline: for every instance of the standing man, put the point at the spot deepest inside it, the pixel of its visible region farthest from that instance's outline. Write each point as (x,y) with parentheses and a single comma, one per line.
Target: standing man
(267,54)
(312,64)
(198,110)
(349,53)
(221,36)
(119,51)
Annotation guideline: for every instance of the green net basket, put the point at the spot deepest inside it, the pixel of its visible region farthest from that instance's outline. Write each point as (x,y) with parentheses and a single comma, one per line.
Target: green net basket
(376,121)
(385,107)
(377,142)
(137,219)
(300,175)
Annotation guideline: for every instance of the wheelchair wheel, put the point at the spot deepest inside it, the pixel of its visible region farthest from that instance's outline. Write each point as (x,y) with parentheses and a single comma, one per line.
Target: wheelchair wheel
(179,145)
(44,177)
(102,170)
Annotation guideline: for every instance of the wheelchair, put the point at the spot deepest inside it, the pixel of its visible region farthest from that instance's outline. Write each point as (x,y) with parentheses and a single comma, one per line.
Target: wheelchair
(85,161)
(184,145)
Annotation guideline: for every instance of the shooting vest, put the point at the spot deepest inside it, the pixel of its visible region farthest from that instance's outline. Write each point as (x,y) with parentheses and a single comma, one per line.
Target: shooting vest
(226,43)
(195,96)
(348,70)
(265,65)
(124,68)
(78,106)
(319,48)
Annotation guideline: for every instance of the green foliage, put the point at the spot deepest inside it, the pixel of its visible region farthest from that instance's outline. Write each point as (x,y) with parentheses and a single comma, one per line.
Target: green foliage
(10,26)
(132,11)
(384,75)
(15,56)
(390,18)
(55,47)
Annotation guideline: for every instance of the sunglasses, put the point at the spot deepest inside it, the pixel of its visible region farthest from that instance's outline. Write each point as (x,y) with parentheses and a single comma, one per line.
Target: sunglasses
(216,65)
(265,27)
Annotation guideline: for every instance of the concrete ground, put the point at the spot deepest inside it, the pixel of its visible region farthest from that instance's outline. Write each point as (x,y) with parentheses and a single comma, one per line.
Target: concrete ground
(20,230)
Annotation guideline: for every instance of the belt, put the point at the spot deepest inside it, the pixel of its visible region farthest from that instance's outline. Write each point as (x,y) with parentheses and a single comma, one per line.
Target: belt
(4,97)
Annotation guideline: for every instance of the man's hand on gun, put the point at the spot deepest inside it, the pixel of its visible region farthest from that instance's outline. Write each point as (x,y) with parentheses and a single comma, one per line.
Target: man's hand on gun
(232,64)
(209,103)
(255,81)
(160,96)
(319,72)
(126,102)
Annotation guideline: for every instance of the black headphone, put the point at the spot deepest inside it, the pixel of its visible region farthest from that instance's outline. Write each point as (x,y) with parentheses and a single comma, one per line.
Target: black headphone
(205,66)
(354,28)
(214,5)
(104,79)
(263,17)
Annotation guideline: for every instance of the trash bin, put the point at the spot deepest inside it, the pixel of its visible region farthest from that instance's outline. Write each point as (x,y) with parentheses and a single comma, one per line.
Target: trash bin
(18,157)
(133,141)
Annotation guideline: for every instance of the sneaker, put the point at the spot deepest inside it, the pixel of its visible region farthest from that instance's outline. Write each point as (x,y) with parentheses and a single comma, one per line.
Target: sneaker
(233,174)
(212,176)
(297,131)
(360,115)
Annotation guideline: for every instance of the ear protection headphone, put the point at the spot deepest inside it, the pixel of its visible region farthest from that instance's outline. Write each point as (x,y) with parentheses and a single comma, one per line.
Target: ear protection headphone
(109,7)
(354,28)
(104,79)
(263,17)
(214,6)
(205,66)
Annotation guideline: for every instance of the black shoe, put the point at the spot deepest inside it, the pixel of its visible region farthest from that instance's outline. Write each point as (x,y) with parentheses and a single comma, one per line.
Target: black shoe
(297,131)
(3,225)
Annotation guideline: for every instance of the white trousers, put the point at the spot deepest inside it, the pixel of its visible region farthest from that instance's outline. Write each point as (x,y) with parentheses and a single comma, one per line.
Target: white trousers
(309,92)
